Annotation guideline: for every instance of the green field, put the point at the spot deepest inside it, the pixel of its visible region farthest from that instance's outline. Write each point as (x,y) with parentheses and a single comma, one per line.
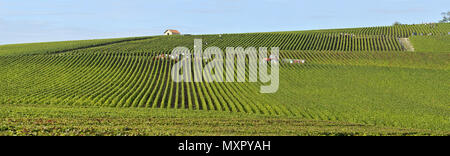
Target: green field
(431,43)
(358,81)
(57,120)
(58,47)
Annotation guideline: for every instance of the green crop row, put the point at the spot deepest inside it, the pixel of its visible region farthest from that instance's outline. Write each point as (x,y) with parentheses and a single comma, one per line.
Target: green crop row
(58,47)
(358,76)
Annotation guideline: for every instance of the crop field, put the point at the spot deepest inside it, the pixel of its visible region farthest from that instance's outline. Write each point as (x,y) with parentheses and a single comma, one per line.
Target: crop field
(55,47)
(358,81)
(91,121)
(431,43)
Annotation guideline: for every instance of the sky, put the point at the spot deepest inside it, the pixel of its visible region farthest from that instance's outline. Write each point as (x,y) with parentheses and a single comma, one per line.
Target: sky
(25,21)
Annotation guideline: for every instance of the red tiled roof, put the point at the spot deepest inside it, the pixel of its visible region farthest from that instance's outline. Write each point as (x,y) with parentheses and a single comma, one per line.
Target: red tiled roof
(173,31)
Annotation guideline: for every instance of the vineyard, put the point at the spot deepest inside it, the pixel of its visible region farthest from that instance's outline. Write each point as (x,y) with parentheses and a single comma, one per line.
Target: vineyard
(431,43)
(57,47)
(400,31)
(358,75)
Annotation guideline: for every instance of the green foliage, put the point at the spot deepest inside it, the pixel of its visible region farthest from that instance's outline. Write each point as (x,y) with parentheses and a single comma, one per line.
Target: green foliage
(341,81)
(56,47)
(357,39)
(397,24)
(399,31)
(359,76)
(38,120)
(431,43)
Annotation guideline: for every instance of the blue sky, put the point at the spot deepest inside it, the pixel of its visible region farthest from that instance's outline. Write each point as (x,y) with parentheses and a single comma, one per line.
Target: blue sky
(23,21)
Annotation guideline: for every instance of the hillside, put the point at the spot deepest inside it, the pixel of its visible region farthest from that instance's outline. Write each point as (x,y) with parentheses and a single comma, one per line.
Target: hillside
(353,39)
(431,43)
(69,121)
(358,76)
(58,47)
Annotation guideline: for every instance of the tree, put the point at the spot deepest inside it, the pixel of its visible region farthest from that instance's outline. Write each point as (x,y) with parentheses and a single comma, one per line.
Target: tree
(446,17)
(397,23)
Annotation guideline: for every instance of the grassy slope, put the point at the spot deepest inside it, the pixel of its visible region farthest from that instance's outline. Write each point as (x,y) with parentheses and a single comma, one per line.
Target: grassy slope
(67,121)
(397,97)
(431,43)
(52,47)
(402,90)
(411,95)
(397,31)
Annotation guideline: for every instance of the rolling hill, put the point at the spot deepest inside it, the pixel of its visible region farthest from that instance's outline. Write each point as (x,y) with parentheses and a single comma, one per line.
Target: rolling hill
(357,76)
